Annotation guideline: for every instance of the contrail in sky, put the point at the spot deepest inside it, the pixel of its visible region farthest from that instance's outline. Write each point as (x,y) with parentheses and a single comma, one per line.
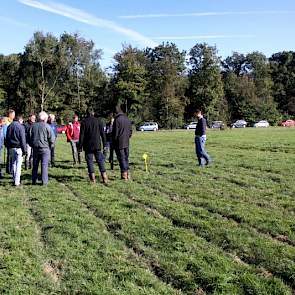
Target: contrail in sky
(87,18)
(204,14)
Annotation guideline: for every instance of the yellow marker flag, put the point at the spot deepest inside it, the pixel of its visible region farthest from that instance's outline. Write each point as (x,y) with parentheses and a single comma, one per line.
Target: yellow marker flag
(145,157)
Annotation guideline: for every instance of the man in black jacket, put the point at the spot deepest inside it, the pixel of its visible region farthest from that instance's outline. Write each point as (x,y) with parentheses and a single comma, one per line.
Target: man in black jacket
(17,146)
(121,133)
(200,140)
(92,139)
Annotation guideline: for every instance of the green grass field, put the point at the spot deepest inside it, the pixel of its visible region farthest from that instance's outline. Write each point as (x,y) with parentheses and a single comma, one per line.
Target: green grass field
(225,229)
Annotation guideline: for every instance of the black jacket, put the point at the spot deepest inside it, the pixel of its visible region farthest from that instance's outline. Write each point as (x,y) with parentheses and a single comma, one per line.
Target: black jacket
(122,131)
(16,136)
(92,134)
(201,127)
(28,126)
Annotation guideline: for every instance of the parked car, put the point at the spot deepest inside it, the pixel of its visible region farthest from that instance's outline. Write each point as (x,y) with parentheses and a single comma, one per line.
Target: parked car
(262,123)
(288,123)
(61,129)
(239,124)
(149,126)
(191,125)
(217,125)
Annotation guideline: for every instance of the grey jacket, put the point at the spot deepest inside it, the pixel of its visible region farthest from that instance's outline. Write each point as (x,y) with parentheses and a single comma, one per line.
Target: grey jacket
(41,136)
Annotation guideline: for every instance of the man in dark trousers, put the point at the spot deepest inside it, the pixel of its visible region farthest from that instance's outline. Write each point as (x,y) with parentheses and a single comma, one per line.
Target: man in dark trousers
(122,131)
(41,139)
(200,140)
(92,139)
(17,146)
(109,152)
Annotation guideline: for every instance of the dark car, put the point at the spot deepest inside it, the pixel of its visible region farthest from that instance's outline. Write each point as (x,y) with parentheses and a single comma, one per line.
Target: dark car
(217,125)
(239,124)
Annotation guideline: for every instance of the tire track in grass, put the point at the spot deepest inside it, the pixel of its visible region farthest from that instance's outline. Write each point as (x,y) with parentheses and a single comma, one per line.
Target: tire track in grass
(23,256)
(279,236)
(155,212)
(103,256)
(251,182)
(135,252)
(203,232)
(53,269)
(112,229)
(106,216)
(189,225)
(239,220)
(186,198)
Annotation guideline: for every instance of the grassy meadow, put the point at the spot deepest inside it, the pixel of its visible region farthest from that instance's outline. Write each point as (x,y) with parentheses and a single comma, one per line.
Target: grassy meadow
(228,228)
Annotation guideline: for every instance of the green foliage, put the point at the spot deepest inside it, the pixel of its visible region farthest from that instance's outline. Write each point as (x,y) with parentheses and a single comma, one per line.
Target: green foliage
(167,84)
(283,76)
(2,101)
(63,74)
(205,84)
(130,82)
(249,88)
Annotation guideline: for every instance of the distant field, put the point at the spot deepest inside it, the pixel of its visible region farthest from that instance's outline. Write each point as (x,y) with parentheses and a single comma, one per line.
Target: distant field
(224,229)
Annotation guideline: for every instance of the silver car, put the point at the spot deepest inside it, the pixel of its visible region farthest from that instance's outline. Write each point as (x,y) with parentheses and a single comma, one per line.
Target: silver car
(149,126)
(262,123)
(191,125)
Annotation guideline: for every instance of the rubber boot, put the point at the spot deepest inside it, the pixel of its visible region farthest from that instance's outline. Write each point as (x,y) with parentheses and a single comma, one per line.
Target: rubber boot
(92,177)
(124,175)
(104,177)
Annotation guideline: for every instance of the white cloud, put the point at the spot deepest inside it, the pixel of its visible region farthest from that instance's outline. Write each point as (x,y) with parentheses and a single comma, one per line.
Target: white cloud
(84,17)
(202,37)
(202,14)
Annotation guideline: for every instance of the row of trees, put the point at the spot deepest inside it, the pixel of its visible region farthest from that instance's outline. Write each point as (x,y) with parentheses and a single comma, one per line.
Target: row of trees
(63,75)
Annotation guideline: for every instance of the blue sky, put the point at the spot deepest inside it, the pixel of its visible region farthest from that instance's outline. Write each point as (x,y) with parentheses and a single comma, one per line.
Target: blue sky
(231,25)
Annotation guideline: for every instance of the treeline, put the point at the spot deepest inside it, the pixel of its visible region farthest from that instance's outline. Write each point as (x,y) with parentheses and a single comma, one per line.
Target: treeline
(63,75)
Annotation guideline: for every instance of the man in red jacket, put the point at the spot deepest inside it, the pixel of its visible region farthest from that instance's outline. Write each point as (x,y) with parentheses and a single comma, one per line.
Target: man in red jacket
(73,134)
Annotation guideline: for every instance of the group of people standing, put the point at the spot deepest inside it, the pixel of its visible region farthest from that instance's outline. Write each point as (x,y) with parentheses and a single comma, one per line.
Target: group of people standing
(34,142)
(98,141)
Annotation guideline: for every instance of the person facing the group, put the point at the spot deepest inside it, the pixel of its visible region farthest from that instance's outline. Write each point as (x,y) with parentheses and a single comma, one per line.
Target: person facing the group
(28,126)
(53,126)
(42,140)
(121,133)
(200,140)
(17,146)
(73,135)
(92,140)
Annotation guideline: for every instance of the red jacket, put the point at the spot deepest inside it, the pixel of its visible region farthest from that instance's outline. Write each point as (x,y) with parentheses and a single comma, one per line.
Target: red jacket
(73,131)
